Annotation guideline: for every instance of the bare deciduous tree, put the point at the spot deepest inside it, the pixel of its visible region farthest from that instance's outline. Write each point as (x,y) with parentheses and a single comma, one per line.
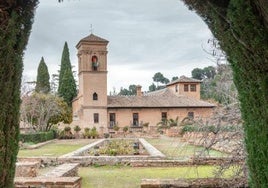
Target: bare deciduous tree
(43,110)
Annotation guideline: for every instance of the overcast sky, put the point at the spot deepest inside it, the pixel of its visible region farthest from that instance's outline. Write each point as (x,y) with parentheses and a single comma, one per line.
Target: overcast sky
(145,37)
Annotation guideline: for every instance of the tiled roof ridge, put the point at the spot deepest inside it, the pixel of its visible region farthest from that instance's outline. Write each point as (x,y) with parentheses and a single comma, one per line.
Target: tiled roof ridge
(156,92)
(184,79)
(163,99)
(93,38)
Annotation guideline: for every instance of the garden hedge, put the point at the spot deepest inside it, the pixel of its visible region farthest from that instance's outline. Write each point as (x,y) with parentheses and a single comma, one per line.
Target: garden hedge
(37,137)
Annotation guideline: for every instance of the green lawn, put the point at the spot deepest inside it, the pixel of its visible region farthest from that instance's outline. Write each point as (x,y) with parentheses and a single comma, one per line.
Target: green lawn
(175,148)
(171,147)
(129,177)
(55,149)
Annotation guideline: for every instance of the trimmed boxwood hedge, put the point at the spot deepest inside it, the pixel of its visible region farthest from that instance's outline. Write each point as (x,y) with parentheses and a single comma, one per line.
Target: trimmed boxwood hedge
(38,137)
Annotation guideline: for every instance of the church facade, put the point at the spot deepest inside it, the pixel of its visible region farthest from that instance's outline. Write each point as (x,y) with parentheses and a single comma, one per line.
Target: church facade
(93,108)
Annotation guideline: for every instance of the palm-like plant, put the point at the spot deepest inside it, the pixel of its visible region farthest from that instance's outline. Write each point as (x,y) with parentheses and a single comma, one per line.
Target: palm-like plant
(173,122)
(163,123)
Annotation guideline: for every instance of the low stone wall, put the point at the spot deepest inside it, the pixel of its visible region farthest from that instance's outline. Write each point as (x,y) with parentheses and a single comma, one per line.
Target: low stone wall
(35,146)
(52,182)
(83,150)
(153,152)
(64,170)
(26,169)
(80,156)
(43,161)
(175,163)
(63,176)
(138,161)
(194,183)
(174,131)
(100,160)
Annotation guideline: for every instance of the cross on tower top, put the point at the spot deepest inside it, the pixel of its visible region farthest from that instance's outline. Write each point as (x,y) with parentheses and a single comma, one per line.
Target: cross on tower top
(91,29)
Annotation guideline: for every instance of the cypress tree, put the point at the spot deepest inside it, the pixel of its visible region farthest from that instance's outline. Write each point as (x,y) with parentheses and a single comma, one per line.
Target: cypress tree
(42,81)
(67,86)
(16,19)
(241,27)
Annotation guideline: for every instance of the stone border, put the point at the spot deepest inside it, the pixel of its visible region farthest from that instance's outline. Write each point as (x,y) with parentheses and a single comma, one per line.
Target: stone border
(64,170)
(196,183)
(153,152)
(77,156)
(83,149)
(51,182)
(141,161)
(35,146)
(26,169)
(151,149)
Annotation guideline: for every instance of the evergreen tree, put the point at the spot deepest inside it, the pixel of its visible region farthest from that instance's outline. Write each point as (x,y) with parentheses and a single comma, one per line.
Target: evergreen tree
(130,91)
(42,81)
(67,89)
(16,19)
(152,87)
(174,78)
(159,77)
(67,86)
(198,73)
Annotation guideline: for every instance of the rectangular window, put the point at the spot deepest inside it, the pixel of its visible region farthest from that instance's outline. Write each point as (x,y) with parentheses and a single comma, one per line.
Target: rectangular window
(193,87)
(191,115)
(135,119)
(164,116)
(112,119)
(186,87)
(176,88)
(96,117)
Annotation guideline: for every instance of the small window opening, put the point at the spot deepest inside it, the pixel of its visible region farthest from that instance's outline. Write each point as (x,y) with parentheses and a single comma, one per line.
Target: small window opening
(95,96)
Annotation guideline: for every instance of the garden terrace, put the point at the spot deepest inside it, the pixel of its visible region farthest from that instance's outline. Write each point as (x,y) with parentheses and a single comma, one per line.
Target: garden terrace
(151,150)
(81,155)
(174,159)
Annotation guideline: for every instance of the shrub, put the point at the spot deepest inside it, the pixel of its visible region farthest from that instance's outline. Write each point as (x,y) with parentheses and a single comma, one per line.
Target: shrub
(125,129)
(62,134)
(55,130)
(77,128)
(37,137)
(66,135)
(94,133)
(106,135)
(86,133)
(189,128)
(67,128)
(116,128)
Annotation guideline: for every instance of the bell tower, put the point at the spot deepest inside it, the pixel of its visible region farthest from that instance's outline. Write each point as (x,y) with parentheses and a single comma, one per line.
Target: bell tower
(90,106)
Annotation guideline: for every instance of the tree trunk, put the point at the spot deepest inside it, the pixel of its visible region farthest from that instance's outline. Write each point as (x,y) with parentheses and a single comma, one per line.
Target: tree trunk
(241,28)
(15,25)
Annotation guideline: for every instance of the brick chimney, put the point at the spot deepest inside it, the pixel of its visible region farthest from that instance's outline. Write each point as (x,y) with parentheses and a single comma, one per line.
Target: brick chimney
(138,90)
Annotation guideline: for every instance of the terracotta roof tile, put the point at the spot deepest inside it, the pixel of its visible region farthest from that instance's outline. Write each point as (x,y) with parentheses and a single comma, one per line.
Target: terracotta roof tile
(93,38)
(161,98)
(184,79)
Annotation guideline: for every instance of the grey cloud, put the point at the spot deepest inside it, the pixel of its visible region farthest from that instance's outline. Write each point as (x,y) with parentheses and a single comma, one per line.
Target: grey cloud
(145,35)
